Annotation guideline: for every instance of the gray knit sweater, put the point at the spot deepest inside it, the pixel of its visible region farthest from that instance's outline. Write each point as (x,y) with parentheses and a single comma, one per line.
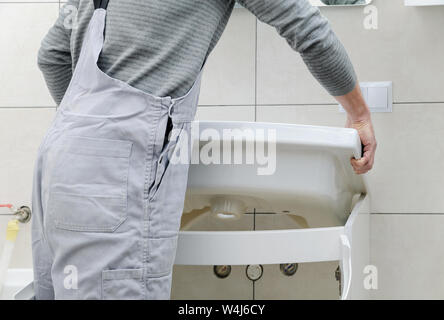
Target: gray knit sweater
(159,46)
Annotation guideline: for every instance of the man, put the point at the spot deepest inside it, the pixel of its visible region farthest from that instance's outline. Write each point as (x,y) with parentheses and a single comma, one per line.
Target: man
(106,201)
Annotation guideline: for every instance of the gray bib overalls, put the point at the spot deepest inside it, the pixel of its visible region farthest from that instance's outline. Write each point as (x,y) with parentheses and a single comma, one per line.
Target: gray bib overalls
(107,201)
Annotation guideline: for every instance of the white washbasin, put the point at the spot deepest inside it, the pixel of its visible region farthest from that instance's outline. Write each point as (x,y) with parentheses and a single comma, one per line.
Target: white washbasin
(313,181)
(313,177)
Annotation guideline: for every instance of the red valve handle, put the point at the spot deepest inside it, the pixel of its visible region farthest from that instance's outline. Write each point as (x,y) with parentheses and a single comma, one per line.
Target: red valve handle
(8,205)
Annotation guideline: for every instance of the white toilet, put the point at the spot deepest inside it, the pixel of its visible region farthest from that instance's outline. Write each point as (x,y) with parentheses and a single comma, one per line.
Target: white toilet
(313,181)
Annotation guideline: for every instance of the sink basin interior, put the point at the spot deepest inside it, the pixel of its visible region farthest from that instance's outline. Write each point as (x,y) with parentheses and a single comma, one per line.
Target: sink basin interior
(312,176)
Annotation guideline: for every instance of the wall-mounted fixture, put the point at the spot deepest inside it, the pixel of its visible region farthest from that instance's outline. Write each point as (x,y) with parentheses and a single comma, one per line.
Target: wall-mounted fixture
(222,271)
(288,269)
(378,95)
(22,214)
(254,272)
(424,2)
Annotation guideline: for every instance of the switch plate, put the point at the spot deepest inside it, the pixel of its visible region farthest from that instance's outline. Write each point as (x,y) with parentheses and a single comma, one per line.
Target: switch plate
(378,95)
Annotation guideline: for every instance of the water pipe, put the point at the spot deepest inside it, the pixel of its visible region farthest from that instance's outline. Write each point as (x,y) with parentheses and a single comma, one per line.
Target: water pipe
(21,215)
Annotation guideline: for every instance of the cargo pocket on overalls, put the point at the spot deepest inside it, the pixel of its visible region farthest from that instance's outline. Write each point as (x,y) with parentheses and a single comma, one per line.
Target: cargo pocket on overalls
(123,284)
(88,186)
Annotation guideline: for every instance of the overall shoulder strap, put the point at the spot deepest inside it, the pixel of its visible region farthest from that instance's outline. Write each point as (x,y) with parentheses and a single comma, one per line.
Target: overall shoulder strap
(100,4)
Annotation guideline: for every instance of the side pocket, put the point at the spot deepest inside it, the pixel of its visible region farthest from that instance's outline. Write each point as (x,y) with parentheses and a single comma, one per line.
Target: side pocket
(123,284)
(87,213)
(169,150)
(89,184)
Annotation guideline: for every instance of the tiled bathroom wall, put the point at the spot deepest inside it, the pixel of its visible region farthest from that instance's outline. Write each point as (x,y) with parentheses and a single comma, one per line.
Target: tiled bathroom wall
(253,75)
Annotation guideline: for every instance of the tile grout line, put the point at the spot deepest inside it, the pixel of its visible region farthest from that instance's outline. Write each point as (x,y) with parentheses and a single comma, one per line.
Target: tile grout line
(408,213)
(372,213)
(245,105)
(304,104)
(255,107)
(255,71)
(254,290)
(419,102)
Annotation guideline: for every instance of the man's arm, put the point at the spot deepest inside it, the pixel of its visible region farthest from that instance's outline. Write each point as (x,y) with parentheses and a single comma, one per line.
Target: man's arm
(358,117)
(310,34)
(54,58)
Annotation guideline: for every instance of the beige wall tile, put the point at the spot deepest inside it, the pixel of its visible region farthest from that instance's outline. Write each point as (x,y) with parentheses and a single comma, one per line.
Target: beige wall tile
(282,77)
(226,113)
(20,79)
(228,78)
(200,283)
(311,281)
(406,49)
(407,250)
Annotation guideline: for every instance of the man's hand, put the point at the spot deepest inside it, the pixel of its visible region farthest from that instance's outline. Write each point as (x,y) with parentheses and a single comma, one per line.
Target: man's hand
(359,118)
(368,140)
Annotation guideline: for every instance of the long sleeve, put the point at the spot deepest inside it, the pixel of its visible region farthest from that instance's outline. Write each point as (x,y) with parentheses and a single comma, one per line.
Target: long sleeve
(310,34)
(54,57)
(145,49)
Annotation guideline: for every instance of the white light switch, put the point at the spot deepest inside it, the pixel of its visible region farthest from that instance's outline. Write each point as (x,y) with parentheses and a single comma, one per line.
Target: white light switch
(378,95)
(377,98)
